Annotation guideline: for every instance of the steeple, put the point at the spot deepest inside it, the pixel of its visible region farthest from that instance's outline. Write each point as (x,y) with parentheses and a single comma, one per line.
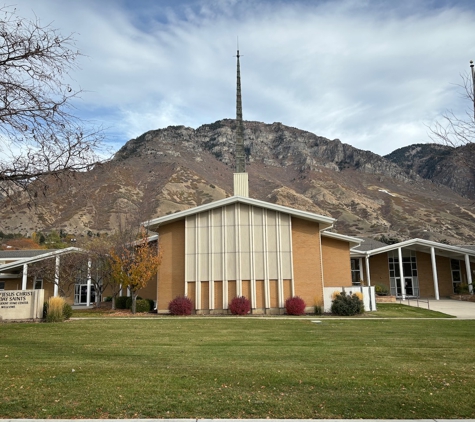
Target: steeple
(240,155)
(241,183)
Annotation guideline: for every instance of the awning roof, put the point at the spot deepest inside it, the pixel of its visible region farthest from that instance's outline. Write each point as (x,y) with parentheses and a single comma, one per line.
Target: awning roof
(37,258)
(420,245)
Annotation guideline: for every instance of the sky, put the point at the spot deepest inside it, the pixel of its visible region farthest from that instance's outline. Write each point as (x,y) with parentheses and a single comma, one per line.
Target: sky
(374,74)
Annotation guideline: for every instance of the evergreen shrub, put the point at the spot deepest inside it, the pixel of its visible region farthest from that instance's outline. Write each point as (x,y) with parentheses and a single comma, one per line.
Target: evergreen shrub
(142,305)
(295,306)
(121,302)
(181,305)
(240,306)
(347,305)
(67,310)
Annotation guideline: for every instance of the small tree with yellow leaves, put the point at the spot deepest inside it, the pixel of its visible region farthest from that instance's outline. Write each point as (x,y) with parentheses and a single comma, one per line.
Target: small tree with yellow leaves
(134,264)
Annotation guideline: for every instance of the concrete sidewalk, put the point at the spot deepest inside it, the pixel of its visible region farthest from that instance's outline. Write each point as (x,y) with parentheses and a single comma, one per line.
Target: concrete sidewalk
(457,308)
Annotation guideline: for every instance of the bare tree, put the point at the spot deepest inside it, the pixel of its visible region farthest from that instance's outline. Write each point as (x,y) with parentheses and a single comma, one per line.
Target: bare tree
(455,130)
(39,135)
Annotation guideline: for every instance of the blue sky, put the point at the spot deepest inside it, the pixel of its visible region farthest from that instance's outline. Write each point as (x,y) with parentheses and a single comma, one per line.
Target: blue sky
(373,74)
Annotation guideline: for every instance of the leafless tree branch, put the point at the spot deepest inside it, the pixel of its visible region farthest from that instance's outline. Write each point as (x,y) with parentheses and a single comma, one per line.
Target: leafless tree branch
(39,134)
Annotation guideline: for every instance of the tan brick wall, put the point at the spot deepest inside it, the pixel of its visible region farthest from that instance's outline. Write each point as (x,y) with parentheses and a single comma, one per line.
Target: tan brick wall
(424,274)
(218,295)
(379,270)
(232,292)
(288,289)
(260,297)
(306,260)
(204,295)
(444,275)
(336,262)
(246,289)
(171,274)
(274,293)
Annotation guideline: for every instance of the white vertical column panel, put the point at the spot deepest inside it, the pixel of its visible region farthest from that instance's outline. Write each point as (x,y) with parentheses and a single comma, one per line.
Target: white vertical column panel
(368,273)
(237,222)
(56,277)
(279,259)
(252,257)
(187,251)
(435,277)
(469,273)
(88,288)
(197,264)
(224,254)
(360,266)
(24,277)
(266,260)
(211,261)
(401,272)
(291,258)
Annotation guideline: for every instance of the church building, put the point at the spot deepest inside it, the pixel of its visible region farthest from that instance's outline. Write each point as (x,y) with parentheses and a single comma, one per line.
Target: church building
(241,246)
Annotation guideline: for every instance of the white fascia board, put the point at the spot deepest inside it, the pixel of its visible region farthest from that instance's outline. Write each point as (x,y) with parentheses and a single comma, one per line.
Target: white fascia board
(38,258)
(353,241)
(326,222)
(419,242)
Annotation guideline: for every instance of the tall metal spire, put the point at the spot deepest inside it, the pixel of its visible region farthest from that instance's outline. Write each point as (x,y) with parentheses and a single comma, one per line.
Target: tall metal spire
(240,155)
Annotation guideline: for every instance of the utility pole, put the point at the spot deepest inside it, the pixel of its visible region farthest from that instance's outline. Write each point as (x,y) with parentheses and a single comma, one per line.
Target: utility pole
(473,87)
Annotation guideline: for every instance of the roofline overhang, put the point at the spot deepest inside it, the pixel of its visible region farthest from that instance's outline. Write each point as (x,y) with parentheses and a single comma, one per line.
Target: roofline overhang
(414,242)
(355,241)
(20,262)
(325,222)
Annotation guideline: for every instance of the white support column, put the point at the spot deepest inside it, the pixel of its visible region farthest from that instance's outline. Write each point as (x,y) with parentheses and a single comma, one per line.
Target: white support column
(401,273)
(360,265)
(88,290)
(56,277)
(210,262)
(368,274)
(469,273)
(434,273)
(24,277)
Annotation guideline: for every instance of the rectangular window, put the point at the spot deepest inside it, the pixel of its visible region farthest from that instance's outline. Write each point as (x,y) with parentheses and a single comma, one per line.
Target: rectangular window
(2,285)
(38,283)
(456,274)
(355,271)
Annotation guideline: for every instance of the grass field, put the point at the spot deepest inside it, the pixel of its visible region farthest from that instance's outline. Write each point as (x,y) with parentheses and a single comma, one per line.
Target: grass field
(238,368)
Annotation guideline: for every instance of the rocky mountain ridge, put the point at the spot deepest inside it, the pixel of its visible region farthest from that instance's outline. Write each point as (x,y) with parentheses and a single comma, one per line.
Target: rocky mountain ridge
(175,168)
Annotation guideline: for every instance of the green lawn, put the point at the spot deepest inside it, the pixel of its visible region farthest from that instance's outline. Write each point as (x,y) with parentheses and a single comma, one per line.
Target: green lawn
(238,368)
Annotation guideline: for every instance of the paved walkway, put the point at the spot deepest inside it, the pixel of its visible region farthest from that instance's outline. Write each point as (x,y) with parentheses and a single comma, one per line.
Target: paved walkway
(457,308)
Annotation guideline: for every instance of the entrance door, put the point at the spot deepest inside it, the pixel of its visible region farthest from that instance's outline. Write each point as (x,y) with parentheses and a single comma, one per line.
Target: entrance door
(409,267)
(409,285)
(80,294)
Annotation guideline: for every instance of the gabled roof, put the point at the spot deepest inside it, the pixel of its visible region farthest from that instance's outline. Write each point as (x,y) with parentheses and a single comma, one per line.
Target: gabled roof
(21,254)
(49,254)
(325,222)
(421,245)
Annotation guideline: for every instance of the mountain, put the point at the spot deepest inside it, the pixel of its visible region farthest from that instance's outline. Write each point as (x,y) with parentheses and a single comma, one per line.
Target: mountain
(442,164)
(175,168)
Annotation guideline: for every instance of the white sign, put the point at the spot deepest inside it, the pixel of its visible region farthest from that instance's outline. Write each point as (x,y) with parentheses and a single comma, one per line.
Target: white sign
(21,304)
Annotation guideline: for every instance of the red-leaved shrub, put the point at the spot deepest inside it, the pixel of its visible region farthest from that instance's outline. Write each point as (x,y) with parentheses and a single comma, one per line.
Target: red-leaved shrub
(181,305)
(240,306)
(295,306)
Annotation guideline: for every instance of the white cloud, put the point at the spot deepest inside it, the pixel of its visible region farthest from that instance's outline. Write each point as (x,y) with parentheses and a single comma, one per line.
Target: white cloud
(369,73)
